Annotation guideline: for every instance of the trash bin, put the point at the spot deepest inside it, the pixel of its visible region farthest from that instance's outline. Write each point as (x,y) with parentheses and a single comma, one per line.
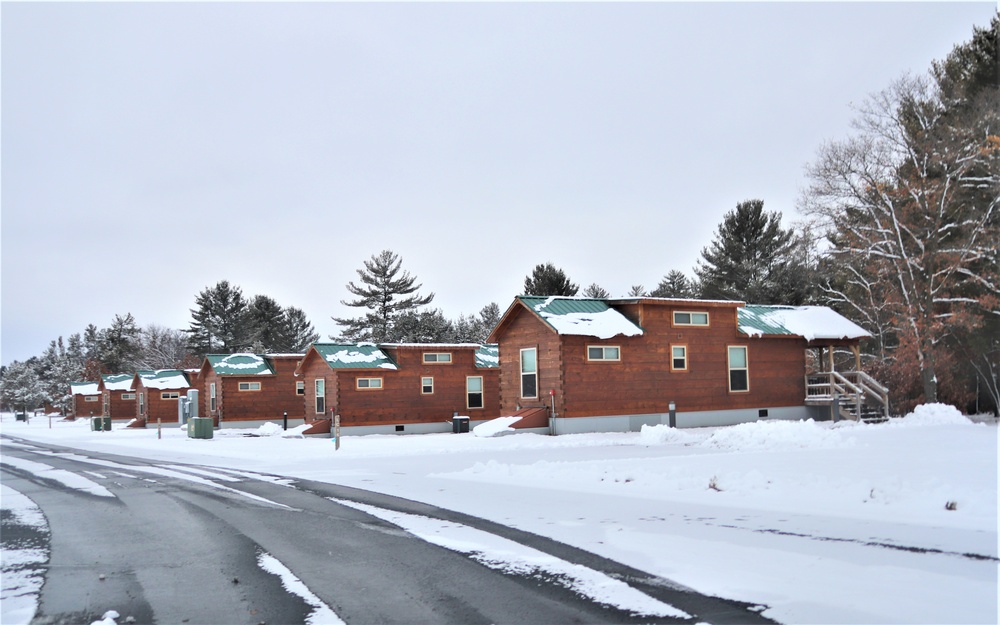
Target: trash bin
(200,427)
(459,424)
(100,424)
(21,416)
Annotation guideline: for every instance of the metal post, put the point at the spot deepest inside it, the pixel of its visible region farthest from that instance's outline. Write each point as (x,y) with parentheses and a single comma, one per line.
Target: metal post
(286,420)
(159,427)
(672,419)
(336,431)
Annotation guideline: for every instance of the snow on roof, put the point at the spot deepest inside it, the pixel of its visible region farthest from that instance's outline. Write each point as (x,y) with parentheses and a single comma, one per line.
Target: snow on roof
(354,356)
(581,316)
(810,322)
(488,356)
(239,364)
(84,388)
(164,379)
(117,382)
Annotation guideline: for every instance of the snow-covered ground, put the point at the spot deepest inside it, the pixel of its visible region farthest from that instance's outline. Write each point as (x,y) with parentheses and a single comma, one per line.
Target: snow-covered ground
(822,522)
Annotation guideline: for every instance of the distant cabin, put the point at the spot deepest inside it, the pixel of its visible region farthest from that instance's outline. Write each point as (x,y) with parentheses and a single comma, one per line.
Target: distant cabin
(400,388)
(246,390)
(117,396)
(86,400)
(157,394)
(595,365)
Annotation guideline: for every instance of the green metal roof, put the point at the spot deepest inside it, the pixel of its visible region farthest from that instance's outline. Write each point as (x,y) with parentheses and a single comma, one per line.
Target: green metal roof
(810,322)
(164,378)
(354,356)
(580,316)
(488,357)
(118,381)
(759,320)
(240,364)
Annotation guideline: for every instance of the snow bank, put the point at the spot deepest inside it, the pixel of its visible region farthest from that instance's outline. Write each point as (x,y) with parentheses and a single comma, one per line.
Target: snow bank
(495,427)
(273,429)
(665,435)
(932,414)
(777,436)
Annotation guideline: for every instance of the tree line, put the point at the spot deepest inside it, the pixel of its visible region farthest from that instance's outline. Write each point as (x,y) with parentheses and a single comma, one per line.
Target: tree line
(900,235)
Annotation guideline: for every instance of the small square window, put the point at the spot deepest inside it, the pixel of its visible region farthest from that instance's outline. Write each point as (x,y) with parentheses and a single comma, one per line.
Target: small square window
(427,386)
(678,357)
(300,388)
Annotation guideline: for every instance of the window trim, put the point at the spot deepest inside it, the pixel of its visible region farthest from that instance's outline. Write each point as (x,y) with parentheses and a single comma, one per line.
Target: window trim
(319,395)
(604,352)
(745,367)
(213,398)
(249,386)
(527,373)
(300,387)
(378,387)
(424,385)
(674,358)
(91,398)
(128,396)
(690,323)
(437,360)
(481,392)
(170,395)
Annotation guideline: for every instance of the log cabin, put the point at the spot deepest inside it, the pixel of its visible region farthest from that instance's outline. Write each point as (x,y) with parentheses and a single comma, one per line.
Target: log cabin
(399,388)
(596,365)
(117,396)
(157,393)
(247,390)
(86,400)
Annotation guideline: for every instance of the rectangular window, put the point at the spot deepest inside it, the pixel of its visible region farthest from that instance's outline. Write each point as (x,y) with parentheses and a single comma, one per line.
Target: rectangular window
(474,391)
(249,386)
(320,385)
(142,403)
(128,396)
(300,388)
(739,371)
(690,318)
(437,357)
(369,383)
(213,403)
(426,386)
(92,398)
(529,373)
(603,353)
(170,395)
(678,357)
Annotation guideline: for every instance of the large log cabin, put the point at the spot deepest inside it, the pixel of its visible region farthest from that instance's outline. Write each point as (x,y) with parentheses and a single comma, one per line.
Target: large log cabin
(399,388)
(86,400)
(157,393)
(247,390)
(117,396)
(592,365)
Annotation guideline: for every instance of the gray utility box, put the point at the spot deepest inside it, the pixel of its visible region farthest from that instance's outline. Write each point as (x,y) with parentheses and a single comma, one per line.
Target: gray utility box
(100,424)
(459,424)
(200,427)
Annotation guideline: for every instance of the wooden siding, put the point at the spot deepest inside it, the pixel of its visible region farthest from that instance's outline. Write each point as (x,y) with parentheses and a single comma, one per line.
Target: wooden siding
(86,409)
(118,408)
(524,330)
(276,395)
(156,406)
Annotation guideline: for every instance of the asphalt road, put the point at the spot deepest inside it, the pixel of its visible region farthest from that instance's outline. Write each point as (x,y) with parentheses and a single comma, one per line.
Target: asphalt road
(181,544)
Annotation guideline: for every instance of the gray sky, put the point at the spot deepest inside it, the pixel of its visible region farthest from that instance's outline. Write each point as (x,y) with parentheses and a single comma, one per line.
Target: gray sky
(151,150)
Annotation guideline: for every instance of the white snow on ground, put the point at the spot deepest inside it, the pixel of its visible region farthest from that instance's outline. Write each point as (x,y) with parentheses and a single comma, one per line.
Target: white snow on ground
(22,566)
(506,555)
(822,522)
(493,427)
(321,614)
(67,478)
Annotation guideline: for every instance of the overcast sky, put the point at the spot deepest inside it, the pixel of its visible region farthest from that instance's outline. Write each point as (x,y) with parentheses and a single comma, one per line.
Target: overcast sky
(152,150)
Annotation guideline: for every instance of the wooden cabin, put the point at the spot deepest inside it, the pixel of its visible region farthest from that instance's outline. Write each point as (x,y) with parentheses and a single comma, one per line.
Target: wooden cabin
(157,395)
(614,365)
(400,388)
(246,390)
(86,400)
(117,396)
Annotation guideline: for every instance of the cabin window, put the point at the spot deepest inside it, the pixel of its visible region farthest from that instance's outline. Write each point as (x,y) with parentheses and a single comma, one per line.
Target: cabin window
(169,395)
(128,396)
(369,383)
(529,373)
(690,318)
(739,372)
(249,386)
(320,396)
(94,398)
(142,403)
(603,353)
(426,386)
(474,391)
(436,357)
(678,357)
(212,399)
(300,388)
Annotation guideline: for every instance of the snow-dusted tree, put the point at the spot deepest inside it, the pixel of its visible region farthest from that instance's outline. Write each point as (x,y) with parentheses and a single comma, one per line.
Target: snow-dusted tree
(20,388)
(674,284)
(596,291)
(476,328)
(163,348)
(266,318)
(548,280)
(118,345)
(910,203)
(299,330)
(427,326)
(751,259)
(386,292)
(219,321)
(58,368)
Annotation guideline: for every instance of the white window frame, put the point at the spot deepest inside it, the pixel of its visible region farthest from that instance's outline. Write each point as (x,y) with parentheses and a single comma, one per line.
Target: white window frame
(437,358)
(300,388)
(170,395)
(93,398)
(604,357)
(250,386)
(673,357)
(319,388)
(213,399)
(427,382)
(525,374)
(142,404)
(691,320)
(469,392)
(368,386)
(128,396)
(745,368)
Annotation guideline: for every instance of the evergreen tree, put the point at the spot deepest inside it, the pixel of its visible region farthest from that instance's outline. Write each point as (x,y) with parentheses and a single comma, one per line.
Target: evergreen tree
(751,259)
(58,369)
(595,291)
(298,330)
(267,321)
(118,345)
(675,284)
(477,328)
(637,290)
(547,280)
(387,293)
(428,326)
(220,321)
(20,388)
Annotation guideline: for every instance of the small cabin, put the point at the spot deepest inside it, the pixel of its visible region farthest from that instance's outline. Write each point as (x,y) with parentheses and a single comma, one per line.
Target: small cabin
(400,388)
(615,365)
(158,393)
(117,396)
(246,390)
(86,400)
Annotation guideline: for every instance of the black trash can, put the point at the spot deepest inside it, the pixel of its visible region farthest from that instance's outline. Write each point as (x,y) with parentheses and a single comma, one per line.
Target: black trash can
(459,425)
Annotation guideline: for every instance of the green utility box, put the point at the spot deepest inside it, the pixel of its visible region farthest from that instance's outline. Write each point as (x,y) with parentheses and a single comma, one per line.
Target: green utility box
(201,427)
(100,424)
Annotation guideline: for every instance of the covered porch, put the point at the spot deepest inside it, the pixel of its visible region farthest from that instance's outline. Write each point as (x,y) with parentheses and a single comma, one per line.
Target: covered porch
(835,378)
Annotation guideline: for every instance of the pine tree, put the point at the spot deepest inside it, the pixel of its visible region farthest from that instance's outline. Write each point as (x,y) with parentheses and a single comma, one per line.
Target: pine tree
(751,259)
(637,290)
(118,345)
(220,321)
(675,284)
(428,326)
(298,330)
(20,388)
(266,319)
(548,280)
(386,292)
(58,368)
(595,291)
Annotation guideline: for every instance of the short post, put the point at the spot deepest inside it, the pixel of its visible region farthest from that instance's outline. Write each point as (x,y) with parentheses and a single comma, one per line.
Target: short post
(672,419)
(159,427)
(50,420)
(285,420)
(336,431)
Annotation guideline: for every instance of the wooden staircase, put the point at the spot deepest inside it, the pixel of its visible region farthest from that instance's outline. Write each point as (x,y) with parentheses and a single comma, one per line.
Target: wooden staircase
(853,395)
